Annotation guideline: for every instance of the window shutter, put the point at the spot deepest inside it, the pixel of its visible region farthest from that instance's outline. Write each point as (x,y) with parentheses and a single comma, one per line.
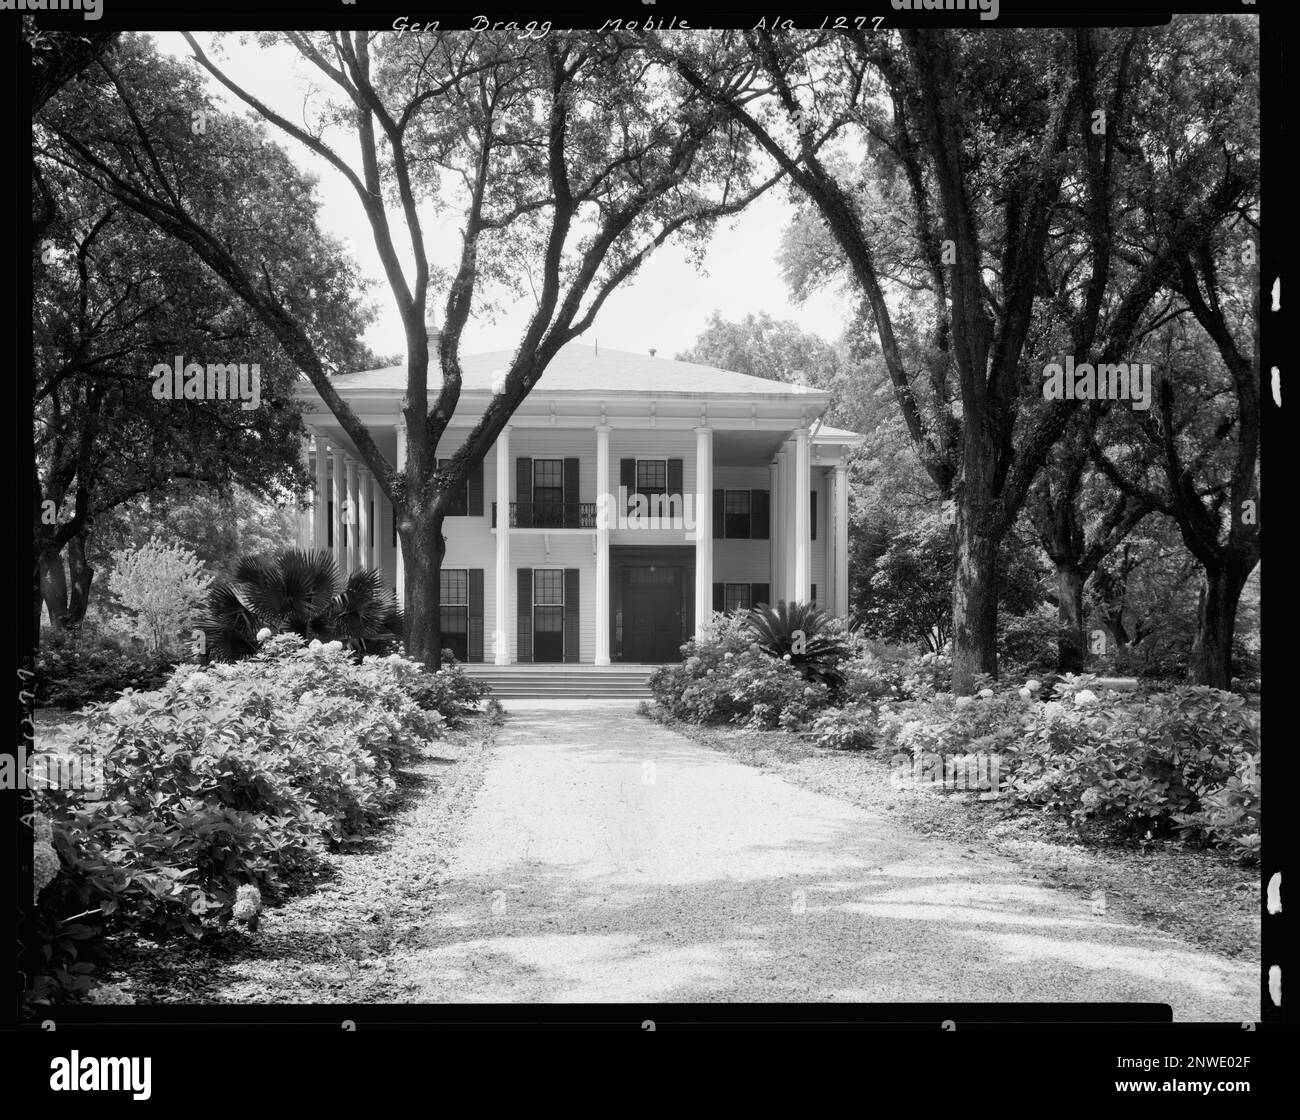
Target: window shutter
(812,514)
(475,596)
(627,477)
(524,642)
(813,597)
(474,491)
(571,493)
(524,495)
(674,476)
(370,521)
(759,593)
(719,514)
(572,603)
(329,522)
(759,515)
(719,596)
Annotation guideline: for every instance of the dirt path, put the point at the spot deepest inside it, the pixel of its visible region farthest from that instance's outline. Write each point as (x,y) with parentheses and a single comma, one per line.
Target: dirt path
(607,858)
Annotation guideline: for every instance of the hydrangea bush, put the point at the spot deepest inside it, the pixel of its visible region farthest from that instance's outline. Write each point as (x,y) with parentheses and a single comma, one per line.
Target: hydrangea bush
(727,677)
(231,775)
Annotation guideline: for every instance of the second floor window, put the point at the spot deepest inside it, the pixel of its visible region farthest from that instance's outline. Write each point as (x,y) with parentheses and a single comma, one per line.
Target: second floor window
(651,476)
(548,492)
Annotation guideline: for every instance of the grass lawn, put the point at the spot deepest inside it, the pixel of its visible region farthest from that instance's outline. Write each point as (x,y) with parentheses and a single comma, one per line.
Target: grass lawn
(1201,896)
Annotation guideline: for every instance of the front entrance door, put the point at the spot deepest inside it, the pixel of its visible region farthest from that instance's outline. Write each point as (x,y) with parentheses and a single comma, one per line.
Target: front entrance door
(652,615)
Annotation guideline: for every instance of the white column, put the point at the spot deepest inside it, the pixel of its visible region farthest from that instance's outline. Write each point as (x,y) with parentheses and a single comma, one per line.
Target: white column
(841,540)
(703,526)
(605,509)
(787,525)
(802,522)
(353,519)
(364,499)
(504,600)
(339,495)
(400,578)
(320,527)
(303,537)
(773,533)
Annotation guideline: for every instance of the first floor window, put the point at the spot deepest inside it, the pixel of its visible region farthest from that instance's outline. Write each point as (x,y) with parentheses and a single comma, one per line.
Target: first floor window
(453,611)
(548,614)
(738,597)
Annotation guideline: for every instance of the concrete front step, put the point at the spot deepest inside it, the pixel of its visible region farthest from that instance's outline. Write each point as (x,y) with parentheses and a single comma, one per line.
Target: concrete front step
(559,682)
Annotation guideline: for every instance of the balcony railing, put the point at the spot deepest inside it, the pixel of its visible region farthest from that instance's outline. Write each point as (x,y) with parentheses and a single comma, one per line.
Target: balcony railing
(549,515)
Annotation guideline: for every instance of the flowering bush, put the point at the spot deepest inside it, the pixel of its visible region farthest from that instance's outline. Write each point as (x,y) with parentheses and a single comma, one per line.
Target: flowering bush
(852,727)
(727,677)
(231,776)
(162,587)
(1185,760)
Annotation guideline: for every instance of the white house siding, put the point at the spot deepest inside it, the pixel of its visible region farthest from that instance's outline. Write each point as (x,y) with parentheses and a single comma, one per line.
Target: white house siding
(471,543)
(742,561)
(568,550)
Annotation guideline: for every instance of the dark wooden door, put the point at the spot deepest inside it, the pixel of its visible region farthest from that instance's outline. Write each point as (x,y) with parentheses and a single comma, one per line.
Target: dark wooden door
(652,620)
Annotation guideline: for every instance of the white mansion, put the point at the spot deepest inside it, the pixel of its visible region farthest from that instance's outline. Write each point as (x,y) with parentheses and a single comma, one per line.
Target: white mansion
(629,498)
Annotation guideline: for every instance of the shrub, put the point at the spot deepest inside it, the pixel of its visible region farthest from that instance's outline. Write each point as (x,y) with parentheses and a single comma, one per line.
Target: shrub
(301,593)
(852,727)
(1029,642)
(74,669)
(229,776)
(161,586)
(727,677)
(1185,761)
(806,636)
(1180,762)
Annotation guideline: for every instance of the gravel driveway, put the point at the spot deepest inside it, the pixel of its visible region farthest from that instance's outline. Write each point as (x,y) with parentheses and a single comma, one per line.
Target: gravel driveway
(609,859)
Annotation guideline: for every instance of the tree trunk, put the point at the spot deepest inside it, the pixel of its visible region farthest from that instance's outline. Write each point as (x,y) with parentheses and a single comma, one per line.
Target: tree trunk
(423,549)
(54,589)
(82,576)
(974,602)
(1069,617)
(1216,622)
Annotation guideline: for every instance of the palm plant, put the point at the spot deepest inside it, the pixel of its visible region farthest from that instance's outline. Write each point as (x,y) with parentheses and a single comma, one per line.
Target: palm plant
(805,635)
(303,593)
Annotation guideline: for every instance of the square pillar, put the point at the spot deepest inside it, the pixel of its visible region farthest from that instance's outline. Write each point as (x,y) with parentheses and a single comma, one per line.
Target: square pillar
(604,509)
(840,540)
(802,521)
(703,527)
(319,524)
(504,599)
(400,578)
(351,519)
(365,497)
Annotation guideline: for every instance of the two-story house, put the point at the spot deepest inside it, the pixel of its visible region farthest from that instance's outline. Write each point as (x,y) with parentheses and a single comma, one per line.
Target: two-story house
(629,498)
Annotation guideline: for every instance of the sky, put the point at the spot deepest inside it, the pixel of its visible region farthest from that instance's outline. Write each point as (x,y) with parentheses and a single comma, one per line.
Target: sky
(665,306)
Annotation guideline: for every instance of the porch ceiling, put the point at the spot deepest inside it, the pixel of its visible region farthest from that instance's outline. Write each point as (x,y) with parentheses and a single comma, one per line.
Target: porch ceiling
(743,449)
